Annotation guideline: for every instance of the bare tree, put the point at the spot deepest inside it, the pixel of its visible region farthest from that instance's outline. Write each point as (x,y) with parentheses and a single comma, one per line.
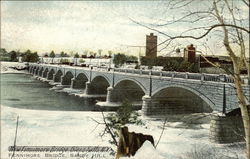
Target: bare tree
(107,129)
(221,20)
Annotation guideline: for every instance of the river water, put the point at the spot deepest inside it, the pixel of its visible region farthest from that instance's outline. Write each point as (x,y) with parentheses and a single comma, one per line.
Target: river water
(24,91)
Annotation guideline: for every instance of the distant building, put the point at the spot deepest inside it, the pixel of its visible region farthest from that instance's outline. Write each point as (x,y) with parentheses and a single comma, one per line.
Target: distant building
(189,53)
(151,45)
(222,60)
(207,67)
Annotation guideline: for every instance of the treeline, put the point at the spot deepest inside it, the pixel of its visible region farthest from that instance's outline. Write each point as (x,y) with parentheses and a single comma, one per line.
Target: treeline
(170,64)
(177,64)
(26,56)
(120,59)
(52,54)
(29,56)
(76,55)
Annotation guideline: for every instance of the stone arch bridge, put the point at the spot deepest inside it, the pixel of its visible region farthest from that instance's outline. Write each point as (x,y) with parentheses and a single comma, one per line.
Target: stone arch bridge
(158,92)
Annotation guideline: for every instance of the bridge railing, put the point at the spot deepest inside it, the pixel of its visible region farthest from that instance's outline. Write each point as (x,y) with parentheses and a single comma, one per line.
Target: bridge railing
(145,72)
(136,71)
(195,76)
(173,74)
(156,73)
(182,75)
(210,77)
(179,75)
(166,74)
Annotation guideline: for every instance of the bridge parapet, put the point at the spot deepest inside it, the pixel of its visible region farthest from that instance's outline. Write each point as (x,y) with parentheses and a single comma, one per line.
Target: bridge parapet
(185,75)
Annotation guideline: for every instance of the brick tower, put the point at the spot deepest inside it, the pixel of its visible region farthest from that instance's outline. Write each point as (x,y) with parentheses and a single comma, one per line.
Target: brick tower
(151,45)
(189,53)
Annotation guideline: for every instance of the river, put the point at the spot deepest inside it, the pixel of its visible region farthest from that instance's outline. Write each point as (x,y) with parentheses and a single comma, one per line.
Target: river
(24,91)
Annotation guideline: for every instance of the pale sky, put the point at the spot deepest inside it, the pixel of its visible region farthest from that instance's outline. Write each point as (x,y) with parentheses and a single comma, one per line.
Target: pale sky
(84,25)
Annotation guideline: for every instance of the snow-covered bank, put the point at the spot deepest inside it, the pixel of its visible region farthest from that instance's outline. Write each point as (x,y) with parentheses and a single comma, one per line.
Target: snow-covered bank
(49,128)
(5,67)
(67,128)
(147,151)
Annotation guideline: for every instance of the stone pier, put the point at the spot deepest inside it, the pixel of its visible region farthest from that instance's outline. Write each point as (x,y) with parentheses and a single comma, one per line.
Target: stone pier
(109,94)
(73,83)
(226,129)
(146,105)
(87,88)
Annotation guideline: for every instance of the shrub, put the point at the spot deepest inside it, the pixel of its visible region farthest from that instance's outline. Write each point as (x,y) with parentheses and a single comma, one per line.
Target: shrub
(76,55)
(119,59)
(63,61)
(124,115)
(171,65)
(28,56)
(137,66)
(52,54)
(81,61)
(13,56)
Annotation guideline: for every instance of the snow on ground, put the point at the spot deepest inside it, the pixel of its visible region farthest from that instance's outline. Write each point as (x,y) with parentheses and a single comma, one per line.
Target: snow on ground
(67,128)
(5,67)
(147,151)
(49,128)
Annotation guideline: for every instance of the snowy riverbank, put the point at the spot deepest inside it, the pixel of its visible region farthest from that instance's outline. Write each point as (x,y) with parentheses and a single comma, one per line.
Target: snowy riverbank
(67,128)
(5,67)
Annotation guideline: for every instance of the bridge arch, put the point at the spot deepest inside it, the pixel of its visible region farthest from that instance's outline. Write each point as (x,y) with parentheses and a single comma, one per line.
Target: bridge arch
(58,76)
(41,71)
(45,72)
(99,85)
(101,75)
(128,90)
(80,81)
(71,71)
(132,80)
(37,70)
(66,80)
(50,74)
(178,99)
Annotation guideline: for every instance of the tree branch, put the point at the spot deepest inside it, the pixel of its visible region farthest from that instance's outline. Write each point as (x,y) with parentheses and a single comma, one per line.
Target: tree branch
(163,128)
(109,130)
(245,2)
